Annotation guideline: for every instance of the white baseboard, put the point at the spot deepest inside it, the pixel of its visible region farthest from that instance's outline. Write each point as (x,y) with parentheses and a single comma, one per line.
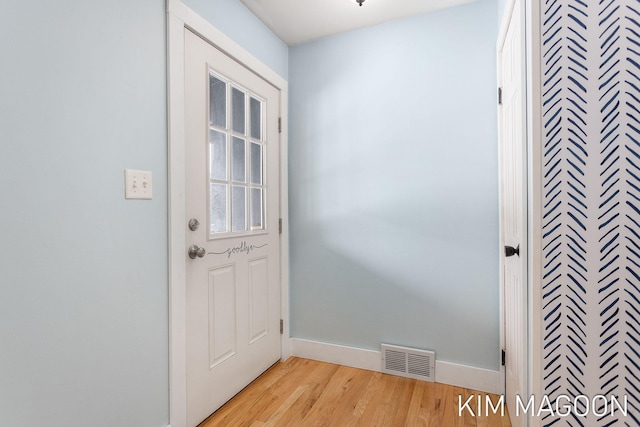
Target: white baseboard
(469,377)
(464,376)
(338,354)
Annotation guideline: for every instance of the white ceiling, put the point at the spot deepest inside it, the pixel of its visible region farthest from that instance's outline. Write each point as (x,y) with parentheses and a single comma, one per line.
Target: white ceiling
(297,21)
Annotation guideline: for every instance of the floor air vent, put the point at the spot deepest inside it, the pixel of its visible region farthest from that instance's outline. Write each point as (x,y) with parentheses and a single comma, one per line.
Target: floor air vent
(408,362)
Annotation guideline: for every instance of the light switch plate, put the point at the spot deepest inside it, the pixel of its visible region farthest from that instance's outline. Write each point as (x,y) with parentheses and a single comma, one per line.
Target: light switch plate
(137,184)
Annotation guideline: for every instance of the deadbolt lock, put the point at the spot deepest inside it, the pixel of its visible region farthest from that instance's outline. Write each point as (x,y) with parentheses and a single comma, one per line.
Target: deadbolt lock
(194,224)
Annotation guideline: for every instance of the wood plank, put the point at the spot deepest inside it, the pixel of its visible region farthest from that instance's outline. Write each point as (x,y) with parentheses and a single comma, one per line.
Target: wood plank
(301,392)
(413,411)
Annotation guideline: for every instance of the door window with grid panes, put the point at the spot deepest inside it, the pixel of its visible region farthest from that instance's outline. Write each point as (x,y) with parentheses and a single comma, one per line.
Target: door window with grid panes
(236,161)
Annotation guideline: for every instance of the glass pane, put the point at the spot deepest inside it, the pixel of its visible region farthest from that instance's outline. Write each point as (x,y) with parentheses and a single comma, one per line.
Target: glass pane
(237,106)
(218,153)
(256,163)
(256,209)
(218,220)
(238,209)
(218,101)
(256,118)
(238,160)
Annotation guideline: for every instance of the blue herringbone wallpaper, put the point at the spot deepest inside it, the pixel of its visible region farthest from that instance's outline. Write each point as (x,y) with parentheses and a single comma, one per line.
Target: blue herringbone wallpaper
(591,201)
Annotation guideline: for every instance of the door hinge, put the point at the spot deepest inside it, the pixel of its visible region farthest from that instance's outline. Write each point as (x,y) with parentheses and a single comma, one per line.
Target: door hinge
(504,357)
(499,96)
(280,226)
(279,124)
(281,326)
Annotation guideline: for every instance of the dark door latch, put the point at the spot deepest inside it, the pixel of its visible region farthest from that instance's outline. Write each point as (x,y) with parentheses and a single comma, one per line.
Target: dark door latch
(511,251)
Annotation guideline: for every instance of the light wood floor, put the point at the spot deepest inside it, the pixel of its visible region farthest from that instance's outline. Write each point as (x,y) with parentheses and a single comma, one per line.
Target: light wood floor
(302,392)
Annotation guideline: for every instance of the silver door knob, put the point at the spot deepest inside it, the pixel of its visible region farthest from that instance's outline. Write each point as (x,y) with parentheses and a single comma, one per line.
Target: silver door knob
(195,251)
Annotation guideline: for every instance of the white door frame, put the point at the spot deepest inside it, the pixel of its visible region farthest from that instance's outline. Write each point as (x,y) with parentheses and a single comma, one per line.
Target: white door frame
(533,104)
(179,18)
(533,123)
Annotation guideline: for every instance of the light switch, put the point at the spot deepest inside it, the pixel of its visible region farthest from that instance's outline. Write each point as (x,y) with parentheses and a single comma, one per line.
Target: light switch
(137,184)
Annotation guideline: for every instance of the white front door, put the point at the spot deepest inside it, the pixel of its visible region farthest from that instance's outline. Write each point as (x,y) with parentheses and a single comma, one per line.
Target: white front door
(513,212)
(232,208)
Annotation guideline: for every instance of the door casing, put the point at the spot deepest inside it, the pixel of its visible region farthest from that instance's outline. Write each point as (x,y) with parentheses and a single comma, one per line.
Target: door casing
(179,18)
(533,105)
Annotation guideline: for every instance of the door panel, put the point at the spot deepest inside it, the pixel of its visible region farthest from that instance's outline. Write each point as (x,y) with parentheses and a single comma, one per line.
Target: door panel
(258,292)
(232,189)
(222,314)
(513,211)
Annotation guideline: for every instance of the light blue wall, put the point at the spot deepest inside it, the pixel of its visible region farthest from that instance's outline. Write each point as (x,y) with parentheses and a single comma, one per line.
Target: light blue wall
(236,21)
(83,272)
(393,186)
(502,5)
